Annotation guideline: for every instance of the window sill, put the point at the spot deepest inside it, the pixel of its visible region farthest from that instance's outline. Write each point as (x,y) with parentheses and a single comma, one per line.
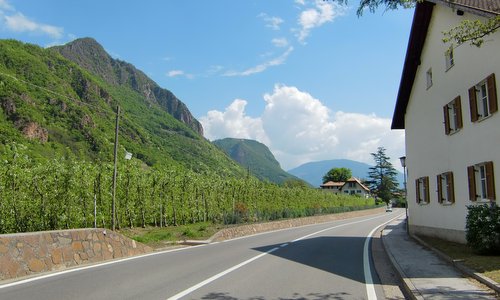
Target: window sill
(454,131)
(422,203)
(480,119)
(482,201)
(447,203)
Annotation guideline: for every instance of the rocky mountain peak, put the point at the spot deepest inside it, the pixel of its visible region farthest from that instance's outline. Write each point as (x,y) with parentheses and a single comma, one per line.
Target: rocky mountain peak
(90,55)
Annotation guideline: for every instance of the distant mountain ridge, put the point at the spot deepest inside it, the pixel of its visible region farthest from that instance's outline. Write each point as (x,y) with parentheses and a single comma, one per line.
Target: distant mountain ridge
(256,158)
(90,55)
(313,172)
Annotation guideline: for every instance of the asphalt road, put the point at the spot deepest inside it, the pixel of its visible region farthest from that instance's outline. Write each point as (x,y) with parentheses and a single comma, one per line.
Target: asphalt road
(324,261)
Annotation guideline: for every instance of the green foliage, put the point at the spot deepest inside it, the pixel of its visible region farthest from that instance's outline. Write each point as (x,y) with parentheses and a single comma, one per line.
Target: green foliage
(483,228)
(382,176)
(256,158)
(337,175)
(60,193)
(472,31)
(58,109)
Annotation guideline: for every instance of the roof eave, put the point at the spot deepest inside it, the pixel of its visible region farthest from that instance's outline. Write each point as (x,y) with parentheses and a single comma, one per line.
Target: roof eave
(418,33)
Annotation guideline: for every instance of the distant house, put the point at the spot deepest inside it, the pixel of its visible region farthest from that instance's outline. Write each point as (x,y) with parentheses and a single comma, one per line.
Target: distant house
(448,106)
(332,186)
(352,187)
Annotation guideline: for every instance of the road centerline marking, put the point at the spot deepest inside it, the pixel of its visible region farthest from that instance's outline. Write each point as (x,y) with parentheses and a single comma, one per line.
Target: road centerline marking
(246,262)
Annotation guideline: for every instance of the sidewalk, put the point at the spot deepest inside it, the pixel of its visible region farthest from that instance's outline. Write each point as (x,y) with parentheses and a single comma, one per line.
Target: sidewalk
(424,274)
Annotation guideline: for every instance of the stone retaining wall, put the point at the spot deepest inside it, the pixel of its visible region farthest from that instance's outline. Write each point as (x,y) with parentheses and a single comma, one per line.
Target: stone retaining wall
(30,253)
(243,230)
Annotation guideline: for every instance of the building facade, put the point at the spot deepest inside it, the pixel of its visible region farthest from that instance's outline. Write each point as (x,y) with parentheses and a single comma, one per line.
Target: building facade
(448,106)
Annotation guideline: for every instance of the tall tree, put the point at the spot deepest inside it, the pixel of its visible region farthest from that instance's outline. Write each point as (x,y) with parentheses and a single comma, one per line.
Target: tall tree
(466,31)
(337,175)
(382,176)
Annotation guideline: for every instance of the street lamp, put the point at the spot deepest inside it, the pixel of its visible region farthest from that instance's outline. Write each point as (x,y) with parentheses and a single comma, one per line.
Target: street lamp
(402,159)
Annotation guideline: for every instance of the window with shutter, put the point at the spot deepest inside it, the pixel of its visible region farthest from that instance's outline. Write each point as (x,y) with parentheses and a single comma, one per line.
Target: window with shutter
(483,99)
(422,189)
(452,116)
(481,182)
(445,189)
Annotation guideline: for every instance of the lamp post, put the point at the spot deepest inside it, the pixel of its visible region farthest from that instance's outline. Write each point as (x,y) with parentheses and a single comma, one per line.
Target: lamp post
(402,159)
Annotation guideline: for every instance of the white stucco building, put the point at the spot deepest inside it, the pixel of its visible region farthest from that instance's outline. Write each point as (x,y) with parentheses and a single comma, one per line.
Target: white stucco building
(448,106)
(352,186)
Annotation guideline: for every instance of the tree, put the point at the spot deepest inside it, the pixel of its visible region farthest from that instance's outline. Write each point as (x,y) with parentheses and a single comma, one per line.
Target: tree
(467,31)
(382,176)
(337,175)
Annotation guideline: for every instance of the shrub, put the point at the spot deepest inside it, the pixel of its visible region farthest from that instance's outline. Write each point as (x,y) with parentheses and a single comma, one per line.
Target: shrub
(483,228)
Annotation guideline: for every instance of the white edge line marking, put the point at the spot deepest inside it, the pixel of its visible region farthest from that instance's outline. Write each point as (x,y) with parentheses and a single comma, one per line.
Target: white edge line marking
(97,265)
(219,275)
(370,287)
(76,269)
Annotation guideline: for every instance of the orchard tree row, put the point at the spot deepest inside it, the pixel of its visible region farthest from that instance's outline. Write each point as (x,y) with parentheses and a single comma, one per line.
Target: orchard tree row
(67,193)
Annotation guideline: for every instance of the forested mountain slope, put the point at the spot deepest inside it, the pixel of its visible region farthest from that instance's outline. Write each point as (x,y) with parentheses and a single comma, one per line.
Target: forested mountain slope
(58,109)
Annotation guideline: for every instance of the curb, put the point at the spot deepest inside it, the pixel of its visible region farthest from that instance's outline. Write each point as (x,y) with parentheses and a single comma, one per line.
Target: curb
(410,289)
(457,264)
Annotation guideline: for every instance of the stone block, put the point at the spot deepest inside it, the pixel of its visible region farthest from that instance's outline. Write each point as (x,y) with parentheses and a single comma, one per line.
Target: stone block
(77,259)
(97,248)
(56,255)
(64,240)
(9,268)
(77,246)
(36,265)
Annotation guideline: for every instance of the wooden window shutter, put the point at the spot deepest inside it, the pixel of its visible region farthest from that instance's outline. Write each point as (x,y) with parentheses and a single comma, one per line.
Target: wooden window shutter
(451,187)
(440,188)
(446,120)
(490,181)
(458,109)
(417,185)
(473,104)
(426,185)
(472,182)
(492,93)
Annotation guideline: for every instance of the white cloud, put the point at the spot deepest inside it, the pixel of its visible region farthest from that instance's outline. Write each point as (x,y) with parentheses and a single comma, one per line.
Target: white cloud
(4,5)
(298,128)
(233,123)
(322,12)
(20,23)
(179,73)
(262,67)
(271,22)
(280,42)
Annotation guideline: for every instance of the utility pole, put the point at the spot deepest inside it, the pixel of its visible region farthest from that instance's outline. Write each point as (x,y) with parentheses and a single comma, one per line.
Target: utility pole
(113,208)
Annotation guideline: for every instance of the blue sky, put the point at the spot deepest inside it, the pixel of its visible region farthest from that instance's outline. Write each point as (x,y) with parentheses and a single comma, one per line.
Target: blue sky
(308,78)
